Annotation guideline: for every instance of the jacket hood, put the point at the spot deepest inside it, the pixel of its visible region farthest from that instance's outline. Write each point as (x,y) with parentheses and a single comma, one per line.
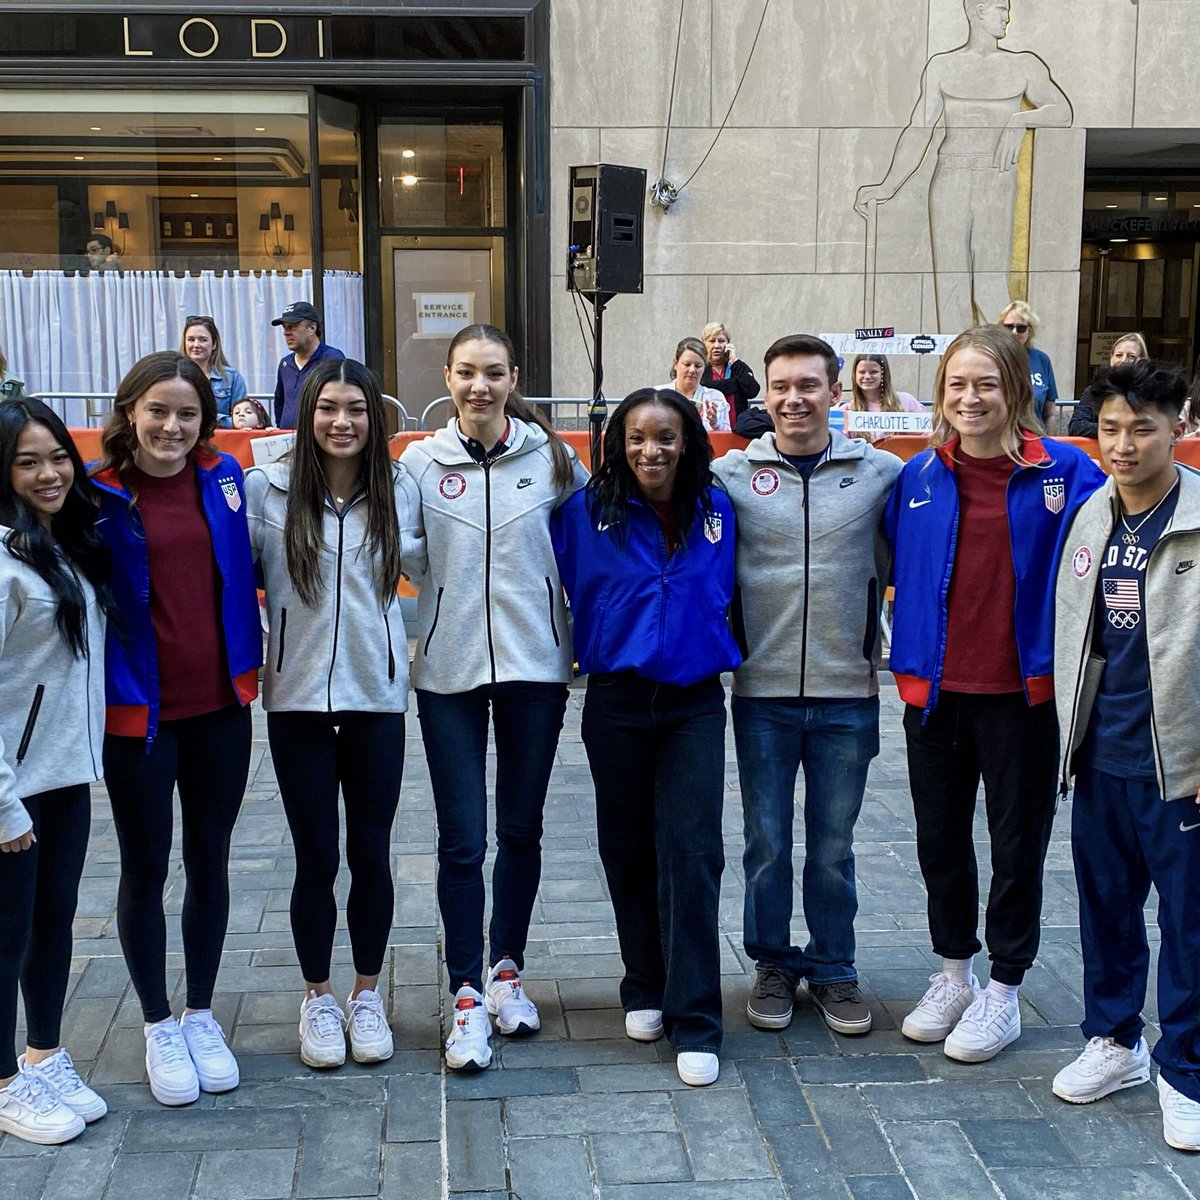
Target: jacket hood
(1187,507)
(1033,450)
(204,460)
(446,445)
(841,448)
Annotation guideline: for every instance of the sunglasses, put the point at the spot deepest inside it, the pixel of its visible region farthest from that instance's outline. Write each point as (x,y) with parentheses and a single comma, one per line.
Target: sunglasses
(1016,328)
(195,319)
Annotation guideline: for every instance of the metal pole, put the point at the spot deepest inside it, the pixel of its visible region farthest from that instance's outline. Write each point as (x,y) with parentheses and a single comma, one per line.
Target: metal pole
(598,409)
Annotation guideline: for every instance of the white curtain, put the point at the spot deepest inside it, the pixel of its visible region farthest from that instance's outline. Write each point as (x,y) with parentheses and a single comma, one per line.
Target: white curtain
(82,332)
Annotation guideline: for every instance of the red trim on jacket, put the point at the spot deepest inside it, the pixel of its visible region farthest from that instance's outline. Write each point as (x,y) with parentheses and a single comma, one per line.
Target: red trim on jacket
(1033,450)
(1039,688)
(245,686)
(127,720)
(913,689)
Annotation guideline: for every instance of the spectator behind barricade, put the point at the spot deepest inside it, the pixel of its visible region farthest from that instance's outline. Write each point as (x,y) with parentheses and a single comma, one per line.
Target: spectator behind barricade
(249,413)
(686,368)
(1191,407)
(304,336)
(201,342)
(872,391)
(1022,322)
(1128,348)
(11,388)
(725,372)
(101,254)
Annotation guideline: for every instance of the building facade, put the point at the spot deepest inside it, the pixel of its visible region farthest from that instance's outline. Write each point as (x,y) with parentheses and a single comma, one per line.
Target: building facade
(828,165)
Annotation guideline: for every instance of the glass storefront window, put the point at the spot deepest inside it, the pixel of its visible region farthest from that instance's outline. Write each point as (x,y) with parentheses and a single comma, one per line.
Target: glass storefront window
(155,180)
(436,174)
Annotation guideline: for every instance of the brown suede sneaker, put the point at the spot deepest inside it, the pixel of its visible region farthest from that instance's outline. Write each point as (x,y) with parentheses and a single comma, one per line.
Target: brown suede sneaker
(842,1005)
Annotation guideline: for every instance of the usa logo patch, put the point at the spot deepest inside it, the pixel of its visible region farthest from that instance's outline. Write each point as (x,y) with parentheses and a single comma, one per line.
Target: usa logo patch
(229,489)
(1055,493)
(712,528)
(765,482)
(452,486)
(1081,562)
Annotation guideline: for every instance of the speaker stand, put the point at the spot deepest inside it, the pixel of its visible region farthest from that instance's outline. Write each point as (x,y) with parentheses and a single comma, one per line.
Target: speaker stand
(597,409)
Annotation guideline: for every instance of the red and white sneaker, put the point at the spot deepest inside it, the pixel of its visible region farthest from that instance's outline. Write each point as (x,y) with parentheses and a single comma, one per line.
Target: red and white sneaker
(516,1015)
(467,1047)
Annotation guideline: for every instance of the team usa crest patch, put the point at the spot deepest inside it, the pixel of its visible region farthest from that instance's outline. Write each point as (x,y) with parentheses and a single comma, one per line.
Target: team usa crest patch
(1081,562)
(1055,493)
(712,528)
(229,489)
(452,486)
(765,482)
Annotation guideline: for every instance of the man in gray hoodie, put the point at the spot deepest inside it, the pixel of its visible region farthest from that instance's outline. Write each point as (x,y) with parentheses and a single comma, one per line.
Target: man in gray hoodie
(811,571)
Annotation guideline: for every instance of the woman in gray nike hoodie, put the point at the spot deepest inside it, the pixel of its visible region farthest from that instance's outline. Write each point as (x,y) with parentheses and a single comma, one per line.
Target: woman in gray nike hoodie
(333,525)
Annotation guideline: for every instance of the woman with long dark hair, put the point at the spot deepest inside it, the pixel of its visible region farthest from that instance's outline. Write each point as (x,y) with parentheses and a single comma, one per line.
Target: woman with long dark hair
(54,602)
(179,687)
(646,554)
(976,525)
(492,639)
(333,525)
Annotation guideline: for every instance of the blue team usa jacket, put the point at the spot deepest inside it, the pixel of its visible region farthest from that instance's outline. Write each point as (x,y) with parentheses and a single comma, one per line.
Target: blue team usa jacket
(635,608)
(921,523)
(131,657)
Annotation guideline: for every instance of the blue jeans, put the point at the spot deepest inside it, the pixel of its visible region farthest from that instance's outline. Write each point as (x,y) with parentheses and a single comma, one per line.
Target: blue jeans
(528,718)
(834,741)
(657,756)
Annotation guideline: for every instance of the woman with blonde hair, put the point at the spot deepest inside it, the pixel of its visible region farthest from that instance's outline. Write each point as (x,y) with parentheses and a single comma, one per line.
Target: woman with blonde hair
(976,526)
(1128,348)
(201,342)
(872,391)
(724,372)
(1022,322)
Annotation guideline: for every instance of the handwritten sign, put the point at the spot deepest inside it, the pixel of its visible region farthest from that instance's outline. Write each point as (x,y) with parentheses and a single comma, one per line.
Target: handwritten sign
(848,344)
(443,314)
(887,422)
(267,449)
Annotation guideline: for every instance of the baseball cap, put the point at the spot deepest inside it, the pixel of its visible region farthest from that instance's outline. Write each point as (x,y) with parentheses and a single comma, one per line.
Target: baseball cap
(299,310)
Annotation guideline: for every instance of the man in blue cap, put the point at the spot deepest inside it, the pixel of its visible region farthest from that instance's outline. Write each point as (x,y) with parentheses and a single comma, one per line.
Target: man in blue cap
(302,331)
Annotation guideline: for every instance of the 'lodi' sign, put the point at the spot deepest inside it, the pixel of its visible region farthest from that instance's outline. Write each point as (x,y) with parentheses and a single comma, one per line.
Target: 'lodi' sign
(223,37)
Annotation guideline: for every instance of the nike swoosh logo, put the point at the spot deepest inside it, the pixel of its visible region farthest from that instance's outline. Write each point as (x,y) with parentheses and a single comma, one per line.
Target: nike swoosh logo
(524,483)
(847,483)
(1184,567)
(920,503)
(1188,828)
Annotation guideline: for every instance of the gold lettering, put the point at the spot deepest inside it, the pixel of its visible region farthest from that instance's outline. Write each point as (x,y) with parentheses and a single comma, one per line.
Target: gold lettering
(216,37)
(255,52)
(320,37)
(129,51)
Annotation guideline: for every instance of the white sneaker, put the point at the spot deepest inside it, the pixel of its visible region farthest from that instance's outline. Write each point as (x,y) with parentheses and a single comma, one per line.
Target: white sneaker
(644,1024)
(216,1068)
(984,1029)
(1181,1117)
(1104,1067)
(58,1076)
(697,1068)
(939,1010)
(505,998)
(33,1113)
(169,1065)
(322,1031)
(467,1046)
(370,1034)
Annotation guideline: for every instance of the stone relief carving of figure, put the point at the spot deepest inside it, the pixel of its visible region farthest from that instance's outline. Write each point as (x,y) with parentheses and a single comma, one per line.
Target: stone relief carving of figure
(977,103)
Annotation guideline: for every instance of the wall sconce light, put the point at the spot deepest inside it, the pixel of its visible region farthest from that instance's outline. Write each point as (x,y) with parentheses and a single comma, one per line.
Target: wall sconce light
(110,221)
(348,199)
(273,223)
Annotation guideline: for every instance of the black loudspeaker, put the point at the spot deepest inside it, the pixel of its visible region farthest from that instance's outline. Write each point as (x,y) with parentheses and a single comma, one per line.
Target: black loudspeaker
(604,239)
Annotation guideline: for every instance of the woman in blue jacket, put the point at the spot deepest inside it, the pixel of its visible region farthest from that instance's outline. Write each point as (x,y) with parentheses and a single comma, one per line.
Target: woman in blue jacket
(646,554)
(201,342)
(179,682)
(976,526)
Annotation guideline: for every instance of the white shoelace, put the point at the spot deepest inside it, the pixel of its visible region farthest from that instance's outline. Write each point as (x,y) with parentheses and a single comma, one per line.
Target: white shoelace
(943,990)
(208,1033)
(1099,1052)
(170,1046)
(32,1092)
(367,1014)
(61,1073)
(325,1019)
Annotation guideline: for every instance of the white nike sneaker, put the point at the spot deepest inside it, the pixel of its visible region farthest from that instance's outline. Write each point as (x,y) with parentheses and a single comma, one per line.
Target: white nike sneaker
(467,1047)
(322,1031)
(33,1113)
(370,1034)
(216,1068)
(516,1015)
(58,1076)
(1104,1067)
(169,1066)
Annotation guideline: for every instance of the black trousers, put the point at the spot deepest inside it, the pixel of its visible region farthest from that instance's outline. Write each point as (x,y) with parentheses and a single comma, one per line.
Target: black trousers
(208,758)
(39,888)
(1014,749)
(363,754)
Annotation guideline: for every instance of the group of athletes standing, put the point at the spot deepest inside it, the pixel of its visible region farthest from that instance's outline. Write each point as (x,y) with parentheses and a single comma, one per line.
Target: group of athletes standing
(770,562)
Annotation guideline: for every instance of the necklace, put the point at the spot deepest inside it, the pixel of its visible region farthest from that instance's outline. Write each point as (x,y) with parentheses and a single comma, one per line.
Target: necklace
(1130,536)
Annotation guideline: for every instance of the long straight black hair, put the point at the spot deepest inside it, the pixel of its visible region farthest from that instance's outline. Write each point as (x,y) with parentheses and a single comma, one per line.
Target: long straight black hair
(614,484)
(71,545)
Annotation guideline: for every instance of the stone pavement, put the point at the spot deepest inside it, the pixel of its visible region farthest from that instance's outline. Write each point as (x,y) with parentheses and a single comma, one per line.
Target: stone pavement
(580,1111)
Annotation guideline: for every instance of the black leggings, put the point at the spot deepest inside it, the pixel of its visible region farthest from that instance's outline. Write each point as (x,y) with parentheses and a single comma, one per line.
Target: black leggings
(208,757)
(39,888)
(313,753)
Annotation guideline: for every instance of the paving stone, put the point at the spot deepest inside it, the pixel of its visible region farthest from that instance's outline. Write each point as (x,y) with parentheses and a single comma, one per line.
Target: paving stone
(414,1111)
(1091,1183)
(723,1139)
(879,1187)
(475,1134)
(873,1068)
(805,1164)
(218,1129)
(412,1171)
(949,1101)
(152,1176)
(651,1158)
(937,1159)
(629,1113)
(514,1081)
(850,1129)
(1016,1143)
(341,1152)
(77,1174)
(775,1093)
(757,1189)
(246,1174)
(25,1175)
(549,1168)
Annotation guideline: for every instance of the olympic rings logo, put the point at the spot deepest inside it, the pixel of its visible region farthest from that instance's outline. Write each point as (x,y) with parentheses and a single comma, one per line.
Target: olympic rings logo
(1123,618)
